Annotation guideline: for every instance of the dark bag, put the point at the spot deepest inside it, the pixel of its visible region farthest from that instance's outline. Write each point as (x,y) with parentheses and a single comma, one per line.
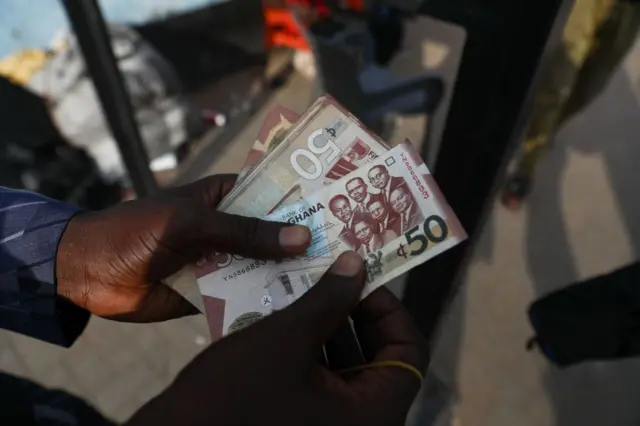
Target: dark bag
(598,319)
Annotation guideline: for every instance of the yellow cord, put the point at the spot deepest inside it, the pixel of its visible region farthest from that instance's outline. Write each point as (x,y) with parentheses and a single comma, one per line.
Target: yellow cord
(378,364)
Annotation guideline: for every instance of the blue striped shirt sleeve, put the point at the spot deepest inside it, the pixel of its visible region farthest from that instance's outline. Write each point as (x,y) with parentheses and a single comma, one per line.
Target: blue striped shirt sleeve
(30,230)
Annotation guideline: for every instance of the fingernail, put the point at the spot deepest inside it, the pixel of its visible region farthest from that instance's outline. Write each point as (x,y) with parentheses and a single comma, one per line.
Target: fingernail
(347,265)
(294,237)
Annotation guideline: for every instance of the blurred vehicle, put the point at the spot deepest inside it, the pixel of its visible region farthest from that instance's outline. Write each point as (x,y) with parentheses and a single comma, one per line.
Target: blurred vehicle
(163,114)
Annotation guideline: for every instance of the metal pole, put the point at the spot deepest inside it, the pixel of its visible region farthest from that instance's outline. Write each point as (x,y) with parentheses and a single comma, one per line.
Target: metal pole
(91,31)
(502,55)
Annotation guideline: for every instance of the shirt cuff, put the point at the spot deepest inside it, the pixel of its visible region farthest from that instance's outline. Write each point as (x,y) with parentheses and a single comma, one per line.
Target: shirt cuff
(29,303)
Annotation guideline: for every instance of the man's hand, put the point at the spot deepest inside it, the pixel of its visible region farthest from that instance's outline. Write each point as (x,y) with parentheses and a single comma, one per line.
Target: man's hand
(111,262)
(271,372)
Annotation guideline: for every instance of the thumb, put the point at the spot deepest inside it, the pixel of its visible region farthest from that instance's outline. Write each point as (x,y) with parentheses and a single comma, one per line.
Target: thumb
(256,238)
(219,232)
(324,308)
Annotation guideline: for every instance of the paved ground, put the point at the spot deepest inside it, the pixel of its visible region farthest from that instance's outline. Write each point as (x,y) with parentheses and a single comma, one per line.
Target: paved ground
(578,223)
(581,221)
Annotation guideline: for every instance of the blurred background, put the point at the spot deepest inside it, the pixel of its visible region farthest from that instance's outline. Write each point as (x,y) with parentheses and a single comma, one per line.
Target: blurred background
(459,80)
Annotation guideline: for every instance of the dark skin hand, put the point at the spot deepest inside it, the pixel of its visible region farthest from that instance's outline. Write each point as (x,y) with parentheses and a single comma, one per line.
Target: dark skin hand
(270,373)
(112,262)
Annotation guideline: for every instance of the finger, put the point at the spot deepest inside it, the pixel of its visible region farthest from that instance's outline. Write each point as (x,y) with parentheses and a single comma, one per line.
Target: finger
(197,230)
(320,312)
(216,187)
(161,303)
(211,188)
(386,331)
(342,349)
(250,237)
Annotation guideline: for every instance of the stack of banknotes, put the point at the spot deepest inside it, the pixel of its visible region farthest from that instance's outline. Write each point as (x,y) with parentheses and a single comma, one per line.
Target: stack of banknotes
(326,171)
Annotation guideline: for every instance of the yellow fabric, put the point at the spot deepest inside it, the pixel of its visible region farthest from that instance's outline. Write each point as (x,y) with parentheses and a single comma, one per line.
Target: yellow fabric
(20,66)
(596,38)
(577,39)
(379,364)
(581,28)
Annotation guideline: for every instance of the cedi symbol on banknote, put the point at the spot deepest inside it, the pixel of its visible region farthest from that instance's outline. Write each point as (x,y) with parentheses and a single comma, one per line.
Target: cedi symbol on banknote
(425,237)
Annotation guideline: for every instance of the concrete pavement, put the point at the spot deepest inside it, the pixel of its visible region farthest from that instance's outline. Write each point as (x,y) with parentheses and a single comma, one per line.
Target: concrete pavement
(580,221)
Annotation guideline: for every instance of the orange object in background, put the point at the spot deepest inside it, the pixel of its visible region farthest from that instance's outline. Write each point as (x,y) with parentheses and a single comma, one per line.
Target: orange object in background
(282,28)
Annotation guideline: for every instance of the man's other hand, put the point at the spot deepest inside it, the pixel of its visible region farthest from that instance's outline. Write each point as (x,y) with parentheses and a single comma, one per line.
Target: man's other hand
(271,373)
(112,262)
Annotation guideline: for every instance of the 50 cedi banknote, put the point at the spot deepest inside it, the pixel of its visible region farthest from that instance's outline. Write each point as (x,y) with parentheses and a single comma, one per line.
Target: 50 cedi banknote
(389,210)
